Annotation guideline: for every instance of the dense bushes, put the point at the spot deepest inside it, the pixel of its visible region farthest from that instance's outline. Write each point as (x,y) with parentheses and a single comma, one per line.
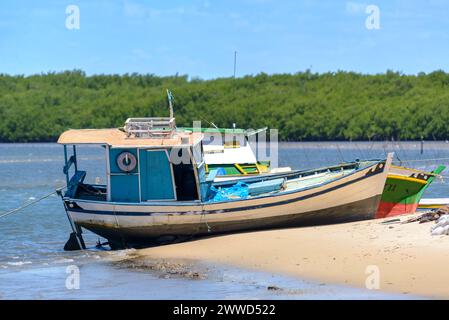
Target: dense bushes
(303,106)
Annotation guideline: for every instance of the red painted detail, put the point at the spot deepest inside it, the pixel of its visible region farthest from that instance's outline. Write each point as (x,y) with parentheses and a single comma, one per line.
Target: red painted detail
(391,209)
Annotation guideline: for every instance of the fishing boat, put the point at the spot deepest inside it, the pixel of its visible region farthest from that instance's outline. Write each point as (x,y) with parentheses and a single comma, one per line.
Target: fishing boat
(157,190)
(403,190)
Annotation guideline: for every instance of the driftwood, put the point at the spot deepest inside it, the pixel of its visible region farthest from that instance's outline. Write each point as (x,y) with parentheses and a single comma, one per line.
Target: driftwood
(430,215)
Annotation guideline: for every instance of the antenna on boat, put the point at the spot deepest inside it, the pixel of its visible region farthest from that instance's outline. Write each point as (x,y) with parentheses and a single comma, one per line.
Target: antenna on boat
(214,125)
(170,102)
(209,122)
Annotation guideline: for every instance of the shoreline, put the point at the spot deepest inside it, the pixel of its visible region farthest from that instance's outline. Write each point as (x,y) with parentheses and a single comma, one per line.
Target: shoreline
(409,260)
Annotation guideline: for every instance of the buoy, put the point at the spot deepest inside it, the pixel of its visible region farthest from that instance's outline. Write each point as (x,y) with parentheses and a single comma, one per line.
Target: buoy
(126,161)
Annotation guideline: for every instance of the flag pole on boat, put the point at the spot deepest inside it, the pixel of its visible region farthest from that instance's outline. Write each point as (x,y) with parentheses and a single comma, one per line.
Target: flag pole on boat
(170,102)
(171,98)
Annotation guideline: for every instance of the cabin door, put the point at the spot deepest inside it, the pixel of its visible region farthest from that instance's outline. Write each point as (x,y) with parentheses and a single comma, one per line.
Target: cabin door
(156,176)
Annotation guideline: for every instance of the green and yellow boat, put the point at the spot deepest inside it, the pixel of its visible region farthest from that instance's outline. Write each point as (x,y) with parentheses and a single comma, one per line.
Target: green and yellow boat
(403,190)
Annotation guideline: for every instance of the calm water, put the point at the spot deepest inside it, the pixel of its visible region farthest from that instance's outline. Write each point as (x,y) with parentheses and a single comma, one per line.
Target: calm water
(33,264)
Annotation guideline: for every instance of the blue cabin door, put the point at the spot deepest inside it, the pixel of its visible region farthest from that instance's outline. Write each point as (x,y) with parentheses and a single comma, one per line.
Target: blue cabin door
(156,176)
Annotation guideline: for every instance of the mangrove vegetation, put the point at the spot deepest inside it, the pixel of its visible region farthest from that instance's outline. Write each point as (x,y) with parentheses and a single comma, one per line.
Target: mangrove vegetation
(303,106)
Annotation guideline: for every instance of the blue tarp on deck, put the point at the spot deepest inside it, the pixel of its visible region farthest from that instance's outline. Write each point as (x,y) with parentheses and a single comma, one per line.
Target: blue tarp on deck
(237,191)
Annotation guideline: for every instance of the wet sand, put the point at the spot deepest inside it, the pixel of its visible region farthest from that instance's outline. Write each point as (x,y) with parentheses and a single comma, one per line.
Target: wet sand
(408,259)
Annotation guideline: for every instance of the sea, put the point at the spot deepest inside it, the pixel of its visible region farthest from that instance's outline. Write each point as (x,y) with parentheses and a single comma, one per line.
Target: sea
(33,264)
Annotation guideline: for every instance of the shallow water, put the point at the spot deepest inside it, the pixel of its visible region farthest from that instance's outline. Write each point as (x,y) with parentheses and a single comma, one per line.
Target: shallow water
(33,264)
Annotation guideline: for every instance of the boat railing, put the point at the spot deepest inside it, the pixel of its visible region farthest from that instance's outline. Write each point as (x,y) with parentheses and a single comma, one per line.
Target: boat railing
(150,127)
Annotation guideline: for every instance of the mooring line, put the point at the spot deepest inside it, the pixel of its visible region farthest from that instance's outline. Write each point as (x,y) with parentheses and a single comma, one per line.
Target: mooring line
(30,203)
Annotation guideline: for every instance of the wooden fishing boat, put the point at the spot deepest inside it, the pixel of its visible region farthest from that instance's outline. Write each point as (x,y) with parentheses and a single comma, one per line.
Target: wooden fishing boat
(157,189)
(403,190)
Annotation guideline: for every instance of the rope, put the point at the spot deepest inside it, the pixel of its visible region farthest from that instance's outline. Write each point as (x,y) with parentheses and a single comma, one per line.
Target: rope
(29,203)
(203,216)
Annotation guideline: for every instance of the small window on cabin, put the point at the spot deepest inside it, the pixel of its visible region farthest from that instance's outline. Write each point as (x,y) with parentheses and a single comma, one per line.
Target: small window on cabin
(92,159)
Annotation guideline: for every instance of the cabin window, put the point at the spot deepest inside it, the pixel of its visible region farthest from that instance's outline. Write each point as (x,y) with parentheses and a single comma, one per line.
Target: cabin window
(91,158)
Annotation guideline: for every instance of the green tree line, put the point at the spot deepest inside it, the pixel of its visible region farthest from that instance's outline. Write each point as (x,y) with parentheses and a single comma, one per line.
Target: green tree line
(303,106)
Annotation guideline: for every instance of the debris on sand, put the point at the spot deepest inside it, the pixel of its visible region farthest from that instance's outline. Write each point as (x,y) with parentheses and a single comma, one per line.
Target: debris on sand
(428,216)
(391,221)
(166,269)
(441,227)
(273,288)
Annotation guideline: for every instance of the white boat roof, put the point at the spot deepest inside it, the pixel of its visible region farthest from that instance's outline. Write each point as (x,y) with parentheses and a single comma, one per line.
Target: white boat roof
(436,201)
(118,138)
(214,154)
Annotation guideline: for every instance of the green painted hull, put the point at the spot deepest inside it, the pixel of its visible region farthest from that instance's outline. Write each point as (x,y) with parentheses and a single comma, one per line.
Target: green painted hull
(401,195)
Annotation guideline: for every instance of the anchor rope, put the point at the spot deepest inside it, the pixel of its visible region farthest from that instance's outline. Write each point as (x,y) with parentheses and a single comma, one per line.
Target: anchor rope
(25,205)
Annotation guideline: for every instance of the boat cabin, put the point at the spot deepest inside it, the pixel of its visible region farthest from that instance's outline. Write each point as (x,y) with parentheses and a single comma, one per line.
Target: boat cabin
(230,151)
(147,160)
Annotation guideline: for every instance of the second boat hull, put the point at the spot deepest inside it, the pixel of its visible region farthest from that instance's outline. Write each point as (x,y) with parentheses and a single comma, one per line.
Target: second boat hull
(403,191)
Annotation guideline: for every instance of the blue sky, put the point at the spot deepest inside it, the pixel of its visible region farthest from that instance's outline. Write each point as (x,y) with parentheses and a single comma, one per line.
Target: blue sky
(199,37)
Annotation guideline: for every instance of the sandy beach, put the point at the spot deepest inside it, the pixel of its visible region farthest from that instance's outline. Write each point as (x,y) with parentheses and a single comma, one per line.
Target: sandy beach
(406,257)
